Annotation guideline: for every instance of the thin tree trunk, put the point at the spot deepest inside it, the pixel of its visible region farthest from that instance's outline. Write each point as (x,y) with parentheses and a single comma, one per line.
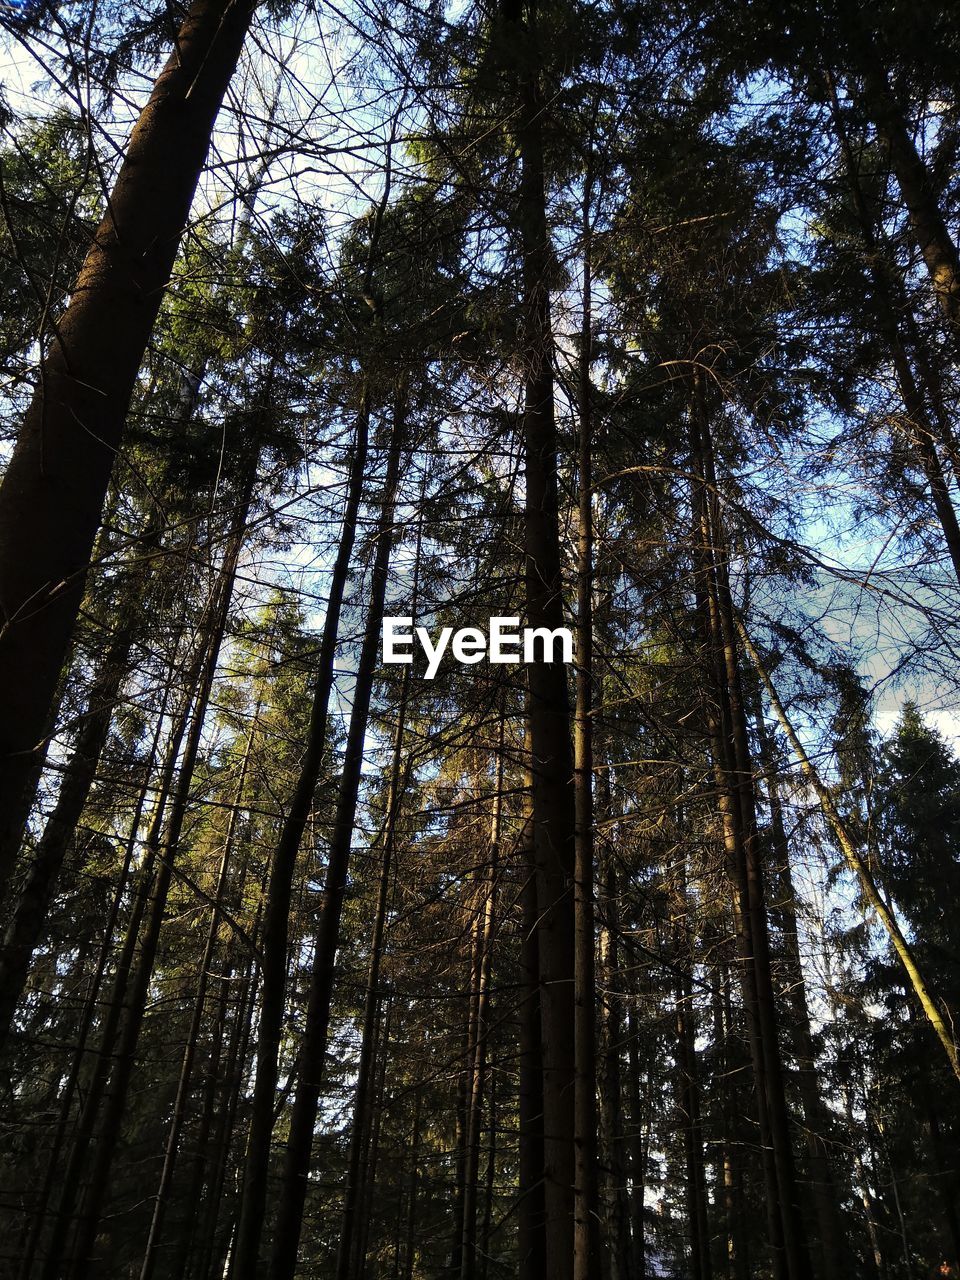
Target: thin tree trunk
(531,1242)
(115,1097)
(586,1242)
(411,1233)
(296,1164)
(736,784)
(834,1261)
(614,1204)
(478,1049)
(369,1171)
(689,1093)
(347,1255)
(196,1022)
(88,1017)
(639,1123)
(858,866)
(729,1182)
(489,1182)
(25,927)
(275,932)
(53,490)
(70,1182)
(211,1258)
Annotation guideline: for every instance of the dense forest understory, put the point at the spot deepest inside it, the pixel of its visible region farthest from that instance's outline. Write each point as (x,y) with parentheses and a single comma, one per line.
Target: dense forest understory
(636,320)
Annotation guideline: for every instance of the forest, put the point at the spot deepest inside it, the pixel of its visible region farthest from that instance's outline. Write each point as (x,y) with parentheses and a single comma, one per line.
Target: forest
(637,321)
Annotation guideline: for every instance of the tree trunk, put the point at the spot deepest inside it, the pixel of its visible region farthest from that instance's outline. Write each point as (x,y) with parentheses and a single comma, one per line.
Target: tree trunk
(858,866)
(835,1263)
(413,1189)
(25,927)
(735,779)
(554,820)
(211,1253)
(88,1017)
(531,1242)
(349,1263)
(927,222)
(614,1204)
(70,1190)
(586,1242)
(478,1049)
(196,1023)
(119,1084)
(688,1083)
(53,490)
(296,1165)
(639,1125)
(276,916)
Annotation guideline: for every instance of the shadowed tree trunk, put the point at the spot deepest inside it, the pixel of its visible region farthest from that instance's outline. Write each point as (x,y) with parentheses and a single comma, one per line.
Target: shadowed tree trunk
(548,707)
(117,1090)
(480,1029)
(87,1022)
(688,1089)
(56,1259)
(26,924)
(927,222)
(832,1255)
(185,1081)
(349,1259)
(531,1244)
(296,1164)
(921,434)
(276,915)
(735,784)
(54,487)
(639,1124)
(586,1242)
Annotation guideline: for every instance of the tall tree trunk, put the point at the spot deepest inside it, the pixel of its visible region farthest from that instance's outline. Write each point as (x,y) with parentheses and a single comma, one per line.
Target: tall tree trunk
(922,437)
(88,1017)
(736,783)
(639,1125)
(486,1224)
(413,1188)
(213,1244)
(275,931)
(729,1069)
(859,867)
(927,222)
(196,1022)
(115,1098)
(586,1243)
(689,1089)
(25,927)
(70,1182)
(531,1242)
(834,1261)
(296,1164)
(478,1049)
(348,1261)
(52,493)
(554,820)
(369,1172)
(615,1210)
